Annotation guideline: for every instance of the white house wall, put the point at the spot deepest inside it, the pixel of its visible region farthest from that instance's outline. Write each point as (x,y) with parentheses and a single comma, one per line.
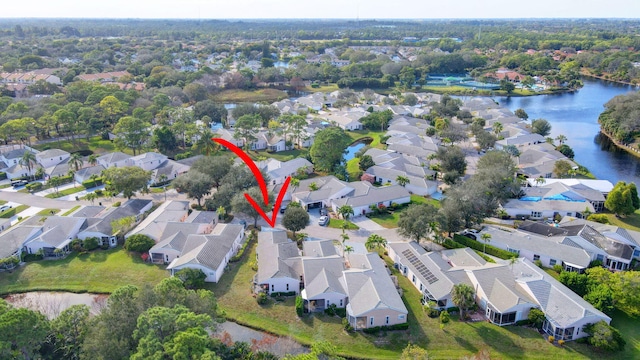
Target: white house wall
(280,284)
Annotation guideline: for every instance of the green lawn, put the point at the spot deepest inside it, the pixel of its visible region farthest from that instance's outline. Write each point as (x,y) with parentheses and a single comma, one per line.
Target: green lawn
(95,144)
(630,331)
(631,222)
(71,210)
(100,271)
(2,202)
(239,96)
(387,220)
(337,224)
(280,155)
(375,135)
(457,340)
(47,212)
(13,211)
(65,192)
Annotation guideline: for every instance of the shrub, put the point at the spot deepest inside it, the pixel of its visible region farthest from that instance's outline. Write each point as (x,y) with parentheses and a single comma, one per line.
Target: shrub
(561,342)
(299,306)
(34,186)
(184,155)
(91,243)
(476,245)
(450,244)
(76,245)
(278,294)
(538,263)
(445,317)
(433,313)
(536,318)
(551,339)
(599,218)
(262,298)
(3,175)
(347,327)
(557,268)
(237,257)
(191,278)
(139,243)
(604,336)
(88,184)
(331,310)
(99,192)
(116,204)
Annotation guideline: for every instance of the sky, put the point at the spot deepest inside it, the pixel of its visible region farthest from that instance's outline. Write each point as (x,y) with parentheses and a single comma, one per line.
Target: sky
(320,9)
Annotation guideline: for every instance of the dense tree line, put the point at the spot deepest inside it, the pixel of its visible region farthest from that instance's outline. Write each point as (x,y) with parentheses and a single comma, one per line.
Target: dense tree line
(621,118)
(166,321)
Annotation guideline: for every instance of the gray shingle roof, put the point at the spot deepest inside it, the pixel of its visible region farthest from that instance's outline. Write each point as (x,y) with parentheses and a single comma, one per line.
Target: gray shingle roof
(208,250)
(275,254)
(369,287)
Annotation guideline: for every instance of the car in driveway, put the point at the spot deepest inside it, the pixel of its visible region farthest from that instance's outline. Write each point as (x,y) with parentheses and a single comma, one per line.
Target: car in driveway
(323,221)
(19,183)
(4,208)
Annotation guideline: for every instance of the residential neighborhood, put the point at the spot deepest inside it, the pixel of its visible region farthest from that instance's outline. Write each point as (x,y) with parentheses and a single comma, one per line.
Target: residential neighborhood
(543,224)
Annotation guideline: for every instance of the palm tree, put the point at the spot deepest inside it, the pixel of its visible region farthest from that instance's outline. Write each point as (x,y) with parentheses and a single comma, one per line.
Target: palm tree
(402,180)
(375,241)
(76,161)
(345,238)
(93,159)
(462,296)
(72,174)
(486,237)
(345,211)
(28,160)
(540,180)
(163,178)
(561,139)
(206,145)
(347,249)
(313,186)
(497,128)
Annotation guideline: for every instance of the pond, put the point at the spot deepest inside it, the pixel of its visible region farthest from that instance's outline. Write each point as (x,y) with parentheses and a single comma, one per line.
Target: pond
(352,149)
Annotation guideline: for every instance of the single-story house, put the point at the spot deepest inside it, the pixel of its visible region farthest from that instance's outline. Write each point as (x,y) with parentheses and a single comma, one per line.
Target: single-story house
(51,157)
(210,252)
(505,291)
(278,258)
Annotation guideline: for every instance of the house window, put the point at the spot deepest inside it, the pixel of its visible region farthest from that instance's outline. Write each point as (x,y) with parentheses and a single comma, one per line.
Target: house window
(341,303)
(515,251)
(636,253)
(287,287)
(421,287)
(386,321)
(600,257)
(404,270)
(400,317)
(371,321)
(272,287)
(552,262)
(536,257)
(536,214)
(413,279)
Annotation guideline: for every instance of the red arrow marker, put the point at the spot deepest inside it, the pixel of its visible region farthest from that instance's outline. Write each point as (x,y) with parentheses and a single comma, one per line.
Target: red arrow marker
(263,185)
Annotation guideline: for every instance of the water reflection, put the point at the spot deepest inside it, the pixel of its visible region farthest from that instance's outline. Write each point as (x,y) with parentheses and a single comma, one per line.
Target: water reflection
(575,115)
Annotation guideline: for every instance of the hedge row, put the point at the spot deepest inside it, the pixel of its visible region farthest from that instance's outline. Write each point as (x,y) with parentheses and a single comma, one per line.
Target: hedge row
(450,244)
(237,257)
(88,184)
(276,294)
(376,329)
(3,175)
(476,245)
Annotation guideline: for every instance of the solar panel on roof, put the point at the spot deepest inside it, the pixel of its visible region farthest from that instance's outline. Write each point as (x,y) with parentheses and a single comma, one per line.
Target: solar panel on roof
(420,267)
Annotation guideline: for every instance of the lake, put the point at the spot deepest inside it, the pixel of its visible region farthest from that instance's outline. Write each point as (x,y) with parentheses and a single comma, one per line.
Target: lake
(575,115)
